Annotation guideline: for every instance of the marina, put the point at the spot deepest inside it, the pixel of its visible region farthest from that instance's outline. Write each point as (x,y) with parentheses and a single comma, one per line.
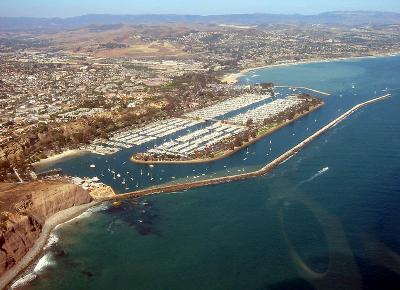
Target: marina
(129,138)
(222,138)
(228,106)
(187,145)
(267,111)
(264,170)
(191,126)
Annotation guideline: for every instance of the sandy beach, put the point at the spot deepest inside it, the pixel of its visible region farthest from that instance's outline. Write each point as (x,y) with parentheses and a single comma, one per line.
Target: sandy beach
(234,77)
(58,157)
(55,220)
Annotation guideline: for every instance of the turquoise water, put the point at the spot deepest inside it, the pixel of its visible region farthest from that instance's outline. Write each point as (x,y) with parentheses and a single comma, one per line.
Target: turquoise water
(332,208)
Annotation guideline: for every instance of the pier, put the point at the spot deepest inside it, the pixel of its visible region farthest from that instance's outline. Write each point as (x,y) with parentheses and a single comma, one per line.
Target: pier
(263,171)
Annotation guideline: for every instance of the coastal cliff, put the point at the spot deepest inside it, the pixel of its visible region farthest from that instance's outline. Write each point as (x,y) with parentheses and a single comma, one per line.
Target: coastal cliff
(24,209)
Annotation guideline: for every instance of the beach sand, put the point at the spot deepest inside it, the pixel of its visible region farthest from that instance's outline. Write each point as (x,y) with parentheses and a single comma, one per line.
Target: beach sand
(58,157)
(234,77)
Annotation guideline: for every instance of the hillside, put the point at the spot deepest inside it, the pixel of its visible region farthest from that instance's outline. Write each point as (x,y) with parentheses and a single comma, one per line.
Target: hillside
(351,18)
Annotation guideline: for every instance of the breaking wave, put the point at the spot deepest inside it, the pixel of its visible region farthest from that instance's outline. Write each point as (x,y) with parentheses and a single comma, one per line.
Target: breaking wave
(24,280)
(53,239)
(87,213)
(42,264)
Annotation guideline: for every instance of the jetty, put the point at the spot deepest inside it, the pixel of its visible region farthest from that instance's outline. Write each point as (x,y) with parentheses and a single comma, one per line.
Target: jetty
(305,88)
(263,171)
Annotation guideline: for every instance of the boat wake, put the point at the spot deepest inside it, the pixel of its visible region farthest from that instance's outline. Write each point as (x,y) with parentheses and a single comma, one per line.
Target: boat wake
(319,173)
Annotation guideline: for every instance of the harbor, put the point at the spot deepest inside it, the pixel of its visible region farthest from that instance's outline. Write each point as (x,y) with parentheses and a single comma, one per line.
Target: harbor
(264,170)
(129,138)
(234,132)
(267,111)
(187,145)
(228,106)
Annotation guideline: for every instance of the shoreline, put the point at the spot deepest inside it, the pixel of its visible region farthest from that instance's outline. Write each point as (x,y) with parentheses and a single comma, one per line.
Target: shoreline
(51,223)
(73,212)
(244,176)
(58,157)
(230,152)
(233,78)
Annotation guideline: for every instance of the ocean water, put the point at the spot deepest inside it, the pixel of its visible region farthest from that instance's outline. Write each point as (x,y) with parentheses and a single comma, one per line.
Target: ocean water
(327,218)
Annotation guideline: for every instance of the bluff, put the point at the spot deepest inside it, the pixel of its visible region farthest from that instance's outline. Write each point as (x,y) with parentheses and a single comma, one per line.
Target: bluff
(24,209)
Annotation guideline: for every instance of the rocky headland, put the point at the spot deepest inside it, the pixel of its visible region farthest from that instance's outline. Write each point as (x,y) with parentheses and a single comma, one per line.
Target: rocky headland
(24,209)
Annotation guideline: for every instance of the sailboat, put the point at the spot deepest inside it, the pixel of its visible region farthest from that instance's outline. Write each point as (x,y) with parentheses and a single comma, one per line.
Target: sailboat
(141,171)
(123,181)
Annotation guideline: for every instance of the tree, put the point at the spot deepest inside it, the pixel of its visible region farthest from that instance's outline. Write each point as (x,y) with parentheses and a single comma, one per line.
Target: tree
(238,141)
(249,122)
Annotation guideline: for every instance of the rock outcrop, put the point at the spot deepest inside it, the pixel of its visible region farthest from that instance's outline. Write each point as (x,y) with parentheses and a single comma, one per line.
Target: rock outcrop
(24,209)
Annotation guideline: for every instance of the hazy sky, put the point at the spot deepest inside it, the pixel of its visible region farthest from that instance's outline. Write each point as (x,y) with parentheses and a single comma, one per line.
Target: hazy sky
(65,8)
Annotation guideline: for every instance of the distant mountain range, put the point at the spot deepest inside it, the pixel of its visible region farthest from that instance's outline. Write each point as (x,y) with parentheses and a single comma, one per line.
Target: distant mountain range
(353,18)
